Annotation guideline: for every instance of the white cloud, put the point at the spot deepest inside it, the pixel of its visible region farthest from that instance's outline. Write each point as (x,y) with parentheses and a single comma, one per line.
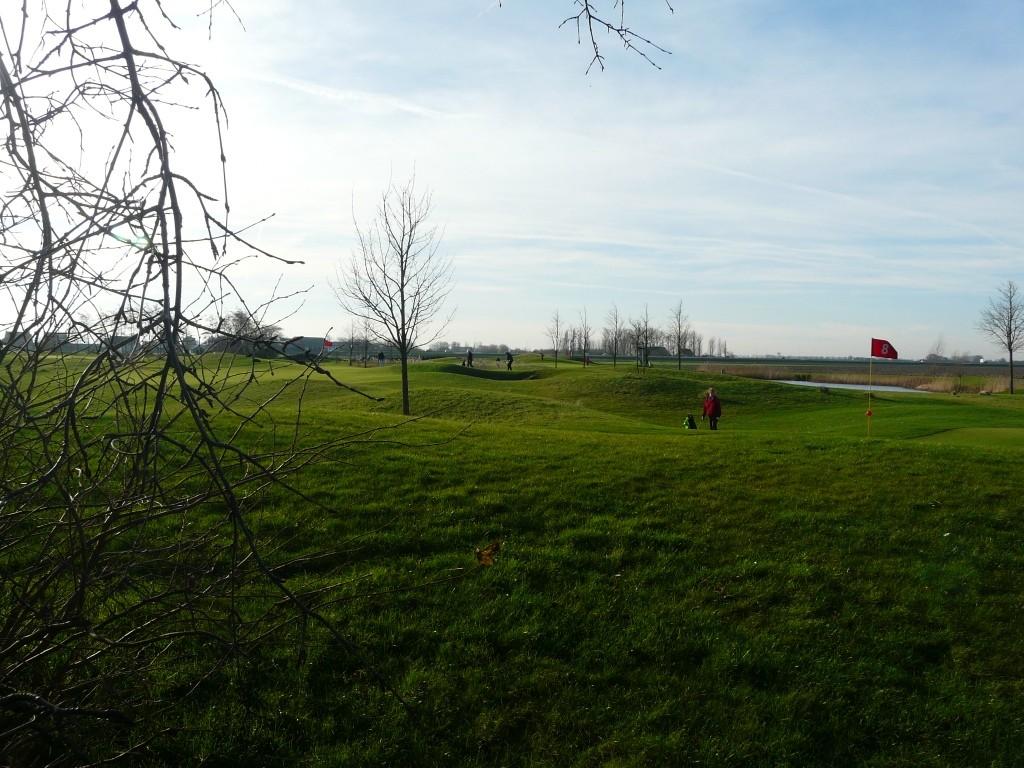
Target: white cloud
(363,101)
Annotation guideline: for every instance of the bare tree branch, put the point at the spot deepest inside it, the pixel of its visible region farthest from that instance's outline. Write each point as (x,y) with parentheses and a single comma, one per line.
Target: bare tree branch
(129,462)
(590,21)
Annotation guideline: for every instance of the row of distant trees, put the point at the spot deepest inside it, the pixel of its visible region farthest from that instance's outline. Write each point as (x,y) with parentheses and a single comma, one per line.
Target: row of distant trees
(237,331)
(632,337)
(457,348)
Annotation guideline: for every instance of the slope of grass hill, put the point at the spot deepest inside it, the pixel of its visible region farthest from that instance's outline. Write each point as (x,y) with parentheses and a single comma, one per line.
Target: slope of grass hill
(785,591)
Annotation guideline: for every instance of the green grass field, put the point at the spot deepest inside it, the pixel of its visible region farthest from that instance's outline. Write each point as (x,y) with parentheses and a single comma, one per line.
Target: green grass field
(782,592)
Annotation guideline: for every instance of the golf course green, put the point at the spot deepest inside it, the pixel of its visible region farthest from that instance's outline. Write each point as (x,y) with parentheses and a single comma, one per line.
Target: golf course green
(785,591)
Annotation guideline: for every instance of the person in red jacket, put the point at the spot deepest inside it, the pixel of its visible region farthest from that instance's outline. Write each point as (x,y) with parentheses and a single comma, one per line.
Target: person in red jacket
(712,409)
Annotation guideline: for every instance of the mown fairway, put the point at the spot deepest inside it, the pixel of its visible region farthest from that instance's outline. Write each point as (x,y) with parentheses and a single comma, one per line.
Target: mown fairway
(784,592)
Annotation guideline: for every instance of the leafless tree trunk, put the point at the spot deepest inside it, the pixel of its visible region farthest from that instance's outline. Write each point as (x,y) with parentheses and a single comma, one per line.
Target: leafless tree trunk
(555,333)
(351,341)
(614,332)
(585,331)
(397,280)
(1003,321)
(366,342)
(636,334)
(641,329)
(679,330)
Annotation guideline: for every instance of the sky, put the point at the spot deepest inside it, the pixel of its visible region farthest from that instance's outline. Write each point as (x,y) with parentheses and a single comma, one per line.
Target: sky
(802,176)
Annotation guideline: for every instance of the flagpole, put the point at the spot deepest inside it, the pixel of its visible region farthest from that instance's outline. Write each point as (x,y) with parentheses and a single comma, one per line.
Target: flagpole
(879,348)
(871,362)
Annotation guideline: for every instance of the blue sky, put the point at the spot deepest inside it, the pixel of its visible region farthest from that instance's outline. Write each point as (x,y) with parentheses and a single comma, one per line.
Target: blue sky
(801,175)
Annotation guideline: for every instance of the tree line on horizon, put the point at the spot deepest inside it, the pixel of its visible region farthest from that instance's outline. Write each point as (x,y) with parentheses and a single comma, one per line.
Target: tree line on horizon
(631,337)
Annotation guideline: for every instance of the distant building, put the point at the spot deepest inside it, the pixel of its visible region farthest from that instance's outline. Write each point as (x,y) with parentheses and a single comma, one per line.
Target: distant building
(19,340)
(122,346)
(187,344)
(55,341)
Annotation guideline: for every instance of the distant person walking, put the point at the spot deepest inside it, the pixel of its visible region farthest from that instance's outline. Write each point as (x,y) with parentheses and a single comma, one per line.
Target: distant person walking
(469,357)
(712,409)
(380,359)
(508,359)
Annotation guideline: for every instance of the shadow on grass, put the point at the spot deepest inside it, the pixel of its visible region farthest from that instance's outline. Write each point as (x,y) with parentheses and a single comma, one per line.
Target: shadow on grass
(498,375)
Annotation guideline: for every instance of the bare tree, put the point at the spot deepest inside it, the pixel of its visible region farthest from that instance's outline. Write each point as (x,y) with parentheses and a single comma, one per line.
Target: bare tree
(397,280)
(640,330)
(239,332)
(364,337)
(351,340)
(678,331)
(614,332)
(697,343)
(937,352)
(629,345)
(555,333)
(585,332)
(1003,321)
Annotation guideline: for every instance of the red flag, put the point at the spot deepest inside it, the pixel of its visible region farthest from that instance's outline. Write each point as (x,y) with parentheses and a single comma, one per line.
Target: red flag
(328,343)
(882,348)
